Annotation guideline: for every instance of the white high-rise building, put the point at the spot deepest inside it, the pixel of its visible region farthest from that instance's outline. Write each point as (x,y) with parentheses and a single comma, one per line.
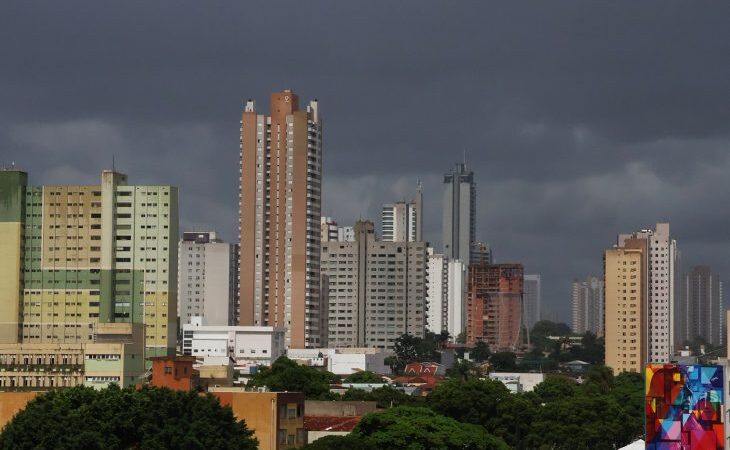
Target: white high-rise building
(457,285)
(437,295)
(531,300)
(345,234)
(401,221)
(588,306)
(660,274)
(206,279)
(329,229)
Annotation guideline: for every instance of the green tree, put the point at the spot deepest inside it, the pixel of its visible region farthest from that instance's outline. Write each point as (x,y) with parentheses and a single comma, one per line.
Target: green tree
(385,397)
(463,370)
(628,391)
(348,442)
(480,352)
(503,361)
(599,379)
(487,403)
(364,376)
(286,375)
(472,401)
(583,421)
(115,418)
(410,428)
(554,388)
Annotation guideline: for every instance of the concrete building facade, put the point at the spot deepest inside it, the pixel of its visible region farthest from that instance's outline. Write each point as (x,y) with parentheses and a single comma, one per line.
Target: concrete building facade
(328,230)
(345,234)
(279,221)
(437,293)
(377,290)
(276,418)
(401,221)
(207,278)
(247,346)
(87,255)
(494,305)
(660,274)
(700,308)
(115,356)
(532,300)
(457,281)
(587,306)
(625,316)
(459,216)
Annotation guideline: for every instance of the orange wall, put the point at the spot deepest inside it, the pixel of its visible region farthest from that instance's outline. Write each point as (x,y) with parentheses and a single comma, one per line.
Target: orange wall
(260,411)
(11,403)
(181,378)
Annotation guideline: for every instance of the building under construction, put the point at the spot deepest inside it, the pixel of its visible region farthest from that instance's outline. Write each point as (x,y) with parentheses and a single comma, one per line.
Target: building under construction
(494,305)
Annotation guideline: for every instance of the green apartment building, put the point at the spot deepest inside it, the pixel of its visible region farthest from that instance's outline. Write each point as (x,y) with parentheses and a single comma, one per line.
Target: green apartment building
(76,256)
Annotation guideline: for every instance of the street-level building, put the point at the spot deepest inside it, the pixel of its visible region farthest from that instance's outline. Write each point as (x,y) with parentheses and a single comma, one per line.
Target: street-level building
(248,346)
(276,418)
(116,356)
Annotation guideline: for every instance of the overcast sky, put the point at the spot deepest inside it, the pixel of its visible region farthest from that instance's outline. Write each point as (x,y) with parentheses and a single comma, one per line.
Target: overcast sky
(580,119)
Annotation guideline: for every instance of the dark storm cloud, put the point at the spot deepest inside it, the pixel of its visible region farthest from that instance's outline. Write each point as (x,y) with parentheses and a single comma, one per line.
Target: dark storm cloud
(580,119)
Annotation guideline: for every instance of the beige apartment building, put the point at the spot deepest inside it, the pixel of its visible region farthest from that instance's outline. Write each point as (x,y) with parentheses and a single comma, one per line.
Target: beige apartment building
(625,313)
(279,220)
(116,355)
(376,289)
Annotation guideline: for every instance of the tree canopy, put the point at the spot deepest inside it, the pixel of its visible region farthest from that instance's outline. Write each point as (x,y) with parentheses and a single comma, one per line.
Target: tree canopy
(480,352)
(605,412)
(286,375)
(414,428)
(364,376)
(115,418)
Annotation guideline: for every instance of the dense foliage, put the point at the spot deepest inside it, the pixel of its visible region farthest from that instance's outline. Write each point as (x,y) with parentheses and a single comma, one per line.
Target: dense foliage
(364,376)
(114,418)
(605,412)
(286,375)
(385,397)
(411,428)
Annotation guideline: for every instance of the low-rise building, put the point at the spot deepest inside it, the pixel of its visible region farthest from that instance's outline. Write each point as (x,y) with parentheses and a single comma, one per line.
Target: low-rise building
(518,382)
(342,361)
(116,355)
(248,346)
(174,372)
(276,418)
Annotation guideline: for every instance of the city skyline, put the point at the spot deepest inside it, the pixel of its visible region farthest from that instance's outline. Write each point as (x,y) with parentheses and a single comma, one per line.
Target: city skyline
(562,155)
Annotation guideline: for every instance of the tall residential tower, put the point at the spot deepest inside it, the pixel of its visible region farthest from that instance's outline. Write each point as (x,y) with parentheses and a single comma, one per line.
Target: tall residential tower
(279,221)
(588,306)
(459,221)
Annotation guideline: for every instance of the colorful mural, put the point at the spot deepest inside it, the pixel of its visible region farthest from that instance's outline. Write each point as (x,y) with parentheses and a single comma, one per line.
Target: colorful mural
(684,407)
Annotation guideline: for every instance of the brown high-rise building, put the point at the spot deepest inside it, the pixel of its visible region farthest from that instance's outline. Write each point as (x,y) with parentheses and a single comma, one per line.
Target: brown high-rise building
(494,305)
(279,220)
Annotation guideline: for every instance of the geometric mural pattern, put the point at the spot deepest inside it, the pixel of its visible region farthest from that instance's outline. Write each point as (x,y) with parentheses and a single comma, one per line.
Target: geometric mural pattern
(684,407)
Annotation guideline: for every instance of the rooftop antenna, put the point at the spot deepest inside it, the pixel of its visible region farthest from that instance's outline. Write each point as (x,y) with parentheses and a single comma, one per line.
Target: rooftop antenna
(464,157)
(113,169)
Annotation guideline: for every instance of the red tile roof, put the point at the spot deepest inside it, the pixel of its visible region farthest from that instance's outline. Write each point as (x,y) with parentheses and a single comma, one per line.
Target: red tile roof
(330,423)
